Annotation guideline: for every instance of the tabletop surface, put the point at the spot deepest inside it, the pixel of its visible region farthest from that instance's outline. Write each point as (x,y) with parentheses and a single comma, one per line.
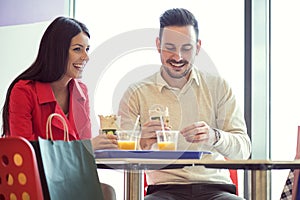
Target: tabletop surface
(150,164)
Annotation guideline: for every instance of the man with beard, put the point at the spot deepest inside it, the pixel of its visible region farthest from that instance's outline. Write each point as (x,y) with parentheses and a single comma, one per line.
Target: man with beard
(202,106)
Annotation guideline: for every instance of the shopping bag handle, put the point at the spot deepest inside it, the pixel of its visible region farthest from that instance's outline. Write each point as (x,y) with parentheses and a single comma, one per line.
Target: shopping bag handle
(49,128)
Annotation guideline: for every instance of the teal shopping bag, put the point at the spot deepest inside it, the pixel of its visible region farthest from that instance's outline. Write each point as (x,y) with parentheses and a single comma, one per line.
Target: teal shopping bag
(69,166)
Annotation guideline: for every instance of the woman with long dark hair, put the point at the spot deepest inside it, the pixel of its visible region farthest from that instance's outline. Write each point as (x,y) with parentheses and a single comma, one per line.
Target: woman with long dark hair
(51,85)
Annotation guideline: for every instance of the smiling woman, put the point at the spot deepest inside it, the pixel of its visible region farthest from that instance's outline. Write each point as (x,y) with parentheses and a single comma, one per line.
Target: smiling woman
(51,85)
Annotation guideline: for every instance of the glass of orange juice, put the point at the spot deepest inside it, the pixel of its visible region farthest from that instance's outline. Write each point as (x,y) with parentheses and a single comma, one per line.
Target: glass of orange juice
(127,139)
(167,140)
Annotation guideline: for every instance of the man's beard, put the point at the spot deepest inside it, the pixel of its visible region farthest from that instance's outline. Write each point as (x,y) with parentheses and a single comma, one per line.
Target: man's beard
(177,76)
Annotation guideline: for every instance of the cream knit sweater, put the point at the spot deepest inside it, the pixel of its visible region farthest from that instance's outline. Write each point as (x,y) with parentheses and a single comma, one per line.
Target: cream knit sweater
(205,97)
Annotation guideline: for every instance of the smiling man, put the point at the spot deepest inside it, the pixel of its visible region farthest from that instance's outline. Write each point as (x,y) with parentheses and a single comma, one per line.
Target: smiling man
(177,46)
(200,105)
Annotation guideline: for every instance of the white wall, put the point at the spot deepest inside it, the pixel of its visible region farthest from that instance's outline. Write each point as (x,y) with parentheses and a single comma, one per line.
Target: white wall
(19,49)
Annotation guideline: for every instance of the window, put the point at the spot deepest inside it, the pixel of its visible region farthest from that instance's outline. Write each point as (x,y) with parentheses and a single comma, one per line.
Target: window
(285,86)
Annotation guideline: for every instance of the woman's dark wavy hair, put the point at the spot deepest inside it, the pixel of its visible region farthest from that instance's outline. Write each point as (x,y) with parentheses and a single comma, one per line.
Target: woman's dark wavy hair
(178,17)
(52,58)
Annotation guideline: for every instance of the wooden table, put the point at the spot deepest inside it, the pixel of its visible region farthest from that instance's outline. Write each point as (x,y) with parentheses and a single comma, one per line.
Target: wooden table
(134,172)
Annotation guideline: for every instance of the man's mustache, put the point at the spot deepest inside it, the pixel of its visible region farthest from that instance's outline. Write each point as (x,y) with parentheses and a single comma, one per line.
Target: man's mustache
(169,61)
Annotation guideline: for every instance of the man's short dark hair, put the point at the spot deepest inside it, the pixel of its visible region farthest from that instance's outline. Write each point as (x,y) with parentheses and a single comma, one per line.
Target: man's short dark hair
(178,17)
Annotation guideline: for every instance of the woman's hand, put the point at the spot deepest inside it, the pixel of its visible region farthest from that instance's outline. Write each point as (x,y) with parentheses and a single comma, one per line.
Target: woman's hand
(104,141)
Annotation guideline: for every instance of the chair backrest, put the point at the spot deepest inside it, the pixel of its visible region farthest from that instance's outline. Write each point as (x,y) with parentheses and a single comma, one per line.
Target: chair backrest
(296,191)
(234,178)
(291,187)
(108,191)
(19,174)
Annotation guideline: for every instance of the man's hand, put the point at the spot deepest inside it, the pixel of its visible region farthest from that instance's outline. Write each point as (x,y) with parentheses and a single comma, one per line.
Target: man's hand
(148,136)
(199,132)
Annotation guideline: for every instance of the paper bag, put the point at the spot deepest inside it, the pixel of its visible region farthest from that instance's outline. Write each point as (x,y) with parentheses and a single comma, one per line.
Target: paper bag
(69,166)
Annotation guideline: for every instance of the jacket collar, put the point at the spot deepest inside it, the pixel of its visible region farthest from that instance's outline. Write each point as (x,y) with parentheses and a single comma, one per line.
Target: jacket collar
(44,92)
(44,96)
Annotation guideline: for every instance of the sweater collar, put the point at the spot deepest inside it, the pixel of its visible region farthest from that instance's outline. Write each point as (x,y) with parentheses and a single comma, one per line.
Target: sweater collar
(160,81)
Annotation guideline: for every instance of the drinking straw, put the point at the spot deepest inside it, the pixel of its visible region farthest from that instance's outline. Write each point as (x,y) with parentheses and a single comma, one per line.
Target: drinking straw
(136,123)
(134,128)
(162,126)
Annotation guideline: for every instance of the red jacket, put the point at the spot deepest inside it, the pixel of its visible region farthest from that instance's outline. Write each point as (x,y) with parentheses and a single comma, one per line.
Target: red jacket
(31,102)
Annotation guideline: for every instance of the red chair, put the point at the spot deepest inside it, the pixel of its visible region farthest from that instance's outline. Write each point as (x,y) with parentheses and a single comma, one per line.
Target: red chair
(291,189)
(233,176)
(19,174)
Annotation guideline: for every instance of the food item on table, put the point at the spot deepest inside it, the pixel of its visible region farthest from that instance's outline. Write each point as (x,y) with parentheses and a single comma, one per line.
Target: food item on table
(109,123)
(157,112)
